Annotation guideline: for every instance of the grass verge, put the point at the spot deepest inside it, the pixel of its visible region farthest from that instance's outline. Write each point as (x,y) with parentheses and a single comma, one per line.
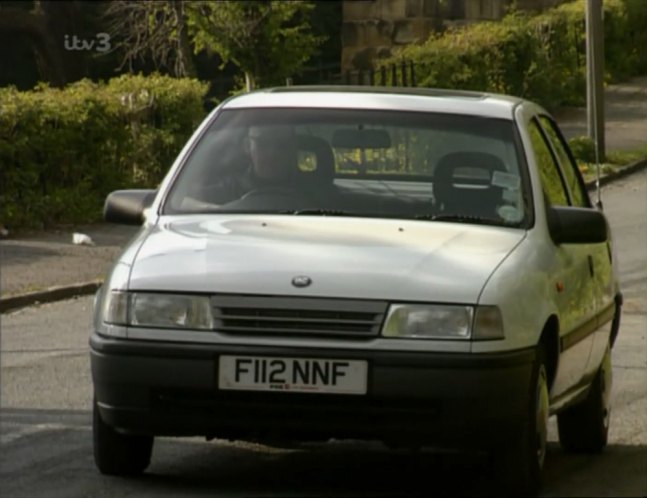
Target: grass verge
(616,160)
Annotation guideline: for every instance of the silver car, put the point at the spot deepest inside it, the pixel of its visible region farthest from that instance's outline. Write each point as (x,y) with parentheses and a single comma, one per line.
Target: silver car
(419,267)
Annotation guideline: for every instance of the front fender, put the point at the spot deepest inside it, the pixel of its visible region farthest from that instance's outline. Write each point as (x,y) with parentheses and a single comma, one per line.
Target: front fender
(521,287)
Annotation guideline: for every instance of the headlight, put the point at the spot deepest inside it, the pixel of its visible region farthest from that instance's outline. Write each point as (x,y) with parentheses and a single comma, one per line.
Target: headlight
(148,309)
(429,321)
(443,322)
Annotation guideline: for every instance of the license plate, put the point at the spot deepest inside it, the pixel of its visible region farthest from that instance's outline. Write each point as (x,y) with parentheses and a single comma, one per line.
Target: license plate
(304,375)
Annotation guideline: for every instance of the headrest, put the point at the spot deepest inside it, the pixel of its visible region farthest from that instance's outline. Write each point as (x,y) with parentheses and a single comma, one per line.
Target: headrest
(448,164)
(479,168)
(325,170)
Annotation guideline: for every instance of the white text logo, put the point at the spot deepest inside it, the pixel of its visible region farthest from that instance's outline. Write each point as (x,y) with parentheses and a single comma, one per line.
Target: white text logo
(100,44)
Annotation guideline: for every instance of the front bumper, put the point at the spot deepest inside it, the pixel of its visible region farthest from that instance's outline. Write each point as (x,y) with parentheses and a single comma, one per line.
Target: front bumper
(441,399)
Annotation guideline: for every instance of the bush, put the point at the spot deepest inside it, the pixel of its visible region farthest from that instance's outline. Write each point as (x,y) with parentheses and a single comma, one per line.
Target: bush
(539,57)
(625,38)
(63,150)
(583,149)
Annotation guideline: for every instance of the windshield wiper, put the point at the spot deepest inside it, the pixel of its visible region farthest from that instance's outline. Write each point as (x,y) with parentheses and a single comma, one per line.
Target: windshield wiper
(463,218)
(320,212)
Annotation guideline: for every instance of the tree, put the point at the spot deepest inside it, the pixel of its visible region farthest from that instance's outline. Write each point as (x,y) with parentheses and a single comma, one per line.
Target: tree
(154,30)
(39,27)
(37,40)
(268,41)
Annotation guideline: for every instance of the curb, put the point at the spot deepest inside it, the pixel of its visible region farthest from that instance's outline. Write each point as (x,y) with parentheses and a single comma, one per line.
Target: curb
(629,170)
(48,295)
(81,289)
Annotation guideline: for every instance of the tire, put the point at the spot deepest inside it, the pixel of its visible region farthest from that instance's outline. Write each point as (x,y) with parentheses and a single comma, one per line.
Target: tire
(119,454)
(584,428)
(519,465)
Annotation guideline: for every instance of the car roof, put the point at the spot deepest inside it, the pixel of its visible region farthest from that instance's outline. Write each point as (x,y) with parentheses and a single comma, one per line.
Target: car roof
(380,98)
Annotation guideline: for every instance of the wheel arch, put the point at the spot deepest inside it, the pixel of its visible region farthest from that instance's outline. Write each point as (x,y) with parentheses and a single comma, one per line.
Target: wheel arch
(549,339)
(615,325)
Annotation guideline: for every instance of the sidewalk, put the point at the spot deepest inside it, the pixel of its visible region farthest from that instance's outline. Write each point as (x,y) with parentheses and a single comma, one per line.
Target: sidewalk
(625,116)
(46,266)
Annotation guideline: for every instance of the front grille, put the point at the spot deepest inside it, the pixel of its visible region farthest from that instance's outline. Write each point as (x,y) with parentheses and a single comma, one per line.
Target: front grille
(254,315)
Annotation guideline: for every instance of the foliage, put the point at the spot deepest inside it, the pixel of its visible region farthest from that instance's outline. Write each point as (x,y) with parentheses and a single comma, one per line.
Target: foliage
(268,41)
(625,157)
(154,30)
(625,38)
(583,149)
(40,40)
(63,150)
(539,57)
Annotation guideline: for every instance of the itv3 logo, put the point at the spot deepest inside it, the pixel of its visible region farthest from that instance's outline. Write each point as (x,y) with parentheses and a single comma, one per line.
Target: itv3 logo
(101,43)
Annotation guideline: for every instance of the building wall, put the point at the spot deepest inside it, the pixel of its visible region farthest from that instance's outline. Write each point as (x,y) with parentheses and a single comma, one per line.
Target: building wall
(372,28)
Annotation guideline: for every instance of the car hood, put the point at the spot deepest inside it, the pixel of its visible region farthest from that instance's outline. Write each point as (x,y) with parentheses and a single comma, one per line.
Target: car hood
(344,257)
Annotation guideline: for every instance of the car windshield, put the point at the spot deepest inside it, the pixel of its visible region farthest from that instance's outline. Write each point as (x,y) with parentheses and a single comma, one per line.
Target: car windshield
(340,162)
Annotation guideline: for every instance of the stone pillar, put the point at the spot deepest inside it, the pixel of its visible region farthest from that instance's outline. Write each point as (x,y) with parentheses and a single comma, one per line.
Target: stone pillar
(371,29)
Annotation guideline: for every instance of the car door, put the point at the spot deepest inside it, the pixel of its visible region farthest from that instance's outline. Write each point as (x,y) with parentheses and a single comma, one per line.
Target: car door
(600,255)
(574,290)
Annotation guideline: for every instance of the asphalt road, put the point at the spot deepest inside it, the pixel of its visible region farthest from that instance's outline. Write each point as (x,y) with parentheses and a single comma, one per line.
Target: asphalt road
(45,434)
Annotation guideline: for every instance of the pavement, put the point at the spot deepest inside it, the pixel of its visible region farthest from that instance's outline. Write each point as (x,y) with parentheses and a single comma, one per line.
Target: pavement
(625,116)
(44,266)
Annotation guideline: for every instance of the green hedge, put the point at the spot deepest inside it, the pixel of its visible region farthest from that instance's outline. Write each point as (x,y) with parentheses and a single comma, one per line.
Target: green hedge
(539,57)
(63,150)
(583,149)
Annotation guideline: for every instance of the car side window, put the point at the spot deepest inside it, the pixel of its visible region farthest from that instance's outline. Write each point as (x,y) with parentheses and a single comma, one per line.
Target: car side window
(551,179)
(579,197)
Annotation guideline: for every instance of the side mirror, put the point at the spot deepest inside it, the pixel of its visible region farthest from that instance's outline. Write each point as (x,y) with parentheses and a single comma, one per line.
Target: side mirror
(127,206)
(573,225)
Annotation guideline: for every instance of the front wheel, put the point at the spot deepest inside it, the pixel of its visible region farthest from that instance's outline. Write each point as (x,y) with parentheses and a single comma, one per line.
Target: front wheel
(584,428)
(519,464)
(116,453)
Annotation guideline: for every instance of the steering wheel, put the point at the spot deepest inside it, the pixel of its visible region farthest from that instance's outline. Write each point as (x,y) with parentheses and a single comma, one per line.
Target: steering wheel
(271,190)
(271,197)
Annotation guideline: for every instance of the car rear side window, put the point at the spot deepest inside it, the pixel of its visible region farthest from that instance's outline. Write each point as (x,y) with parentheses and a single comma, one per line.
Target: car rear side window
(579,197)
(551,180)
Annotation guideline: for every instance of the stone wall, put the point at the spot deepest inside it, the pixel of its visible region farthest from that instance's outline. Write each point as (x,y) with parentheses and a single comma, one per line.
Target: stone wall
(372,28)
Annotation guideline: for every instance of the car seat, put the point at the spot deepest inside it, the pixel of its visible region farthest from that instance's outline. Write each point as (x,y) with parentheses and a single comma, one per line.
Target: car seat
(462,184)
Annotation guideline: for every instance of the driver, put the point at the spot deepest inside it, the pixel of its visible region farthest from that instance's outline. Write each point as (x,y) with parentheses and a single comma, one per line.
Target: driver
(272,154)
